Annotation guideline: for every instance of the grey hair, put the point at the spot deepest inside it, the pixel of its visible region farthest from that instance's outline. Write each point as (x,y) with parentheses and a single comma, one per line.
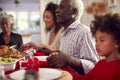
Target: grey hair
(7,16)
(78,4)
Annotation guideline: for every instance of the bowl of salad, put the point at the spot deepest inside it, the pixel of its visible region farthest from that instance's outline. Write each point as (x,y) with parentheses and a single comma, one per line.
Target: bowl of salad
(8,63)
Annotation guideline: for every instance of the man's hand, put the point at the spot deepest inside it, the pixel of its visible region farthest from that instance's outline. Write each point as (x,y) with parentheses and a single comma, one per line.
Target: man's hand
(60,59)
(30,44)
(57,59)
(45,50)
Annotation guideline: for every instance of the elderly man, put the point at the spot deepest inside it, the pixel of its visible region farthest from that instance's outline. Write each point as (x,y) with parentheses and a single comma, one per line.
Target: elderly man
(76,47)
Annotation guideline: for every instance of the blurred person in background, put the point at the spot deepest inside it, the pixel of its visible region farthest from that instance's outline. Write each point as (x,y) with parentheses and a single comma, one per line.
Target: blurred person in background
(7,37)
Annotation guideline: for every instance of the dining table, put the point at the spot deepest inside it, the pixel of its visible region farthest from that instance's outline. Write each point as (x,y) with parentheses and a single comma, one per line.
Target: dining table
(67,72)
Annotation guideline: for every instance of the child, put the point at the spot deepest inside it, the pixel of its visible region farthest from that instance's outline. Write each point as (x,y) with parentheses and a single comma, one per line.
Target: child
(106,30)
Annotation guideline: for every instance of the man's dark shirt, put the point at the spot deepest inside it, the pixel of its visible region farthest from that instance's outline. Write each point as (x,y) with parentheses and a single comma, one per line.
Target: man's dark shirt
(16,39)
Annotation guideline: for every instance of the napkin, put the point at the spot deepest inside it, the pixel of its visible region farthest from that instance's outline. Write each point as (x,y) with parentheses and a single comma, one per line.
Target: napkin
(39,54)
(44,64)
(32,63)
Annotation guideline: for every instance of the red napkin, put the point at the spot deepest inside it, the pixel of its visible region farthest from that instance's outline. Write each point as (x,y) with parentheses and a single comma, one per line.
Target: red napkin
(25,64)
(24,47)
(39,54)
(31,64)
(44,64)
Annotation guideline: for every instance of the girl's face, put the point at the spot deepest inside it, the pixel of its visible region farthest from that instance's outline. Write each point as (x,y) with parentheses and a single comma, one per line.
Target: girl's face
(5,25)
(48,19)
(105,44)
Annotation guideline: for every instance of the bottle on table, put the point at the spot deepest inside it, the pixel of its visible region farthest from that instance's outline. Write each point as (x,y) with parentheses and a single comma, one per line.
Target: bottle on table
(31,75)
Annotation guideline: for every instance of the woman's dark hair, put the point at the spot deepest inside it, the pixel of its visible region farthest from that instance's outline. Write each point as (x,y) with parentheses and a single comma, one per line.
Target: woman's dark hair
(109,23)
(52,8)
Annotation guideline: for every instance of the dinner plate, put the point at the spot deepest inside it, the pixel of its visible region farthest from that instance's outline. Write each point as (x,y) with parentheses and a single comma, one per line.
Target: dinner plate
(41,58)
(44,73)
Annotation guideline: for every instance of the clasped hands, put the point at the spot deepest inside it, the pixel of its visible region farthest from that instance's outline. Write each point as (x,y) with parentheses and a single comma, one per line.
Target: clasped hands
(57,59)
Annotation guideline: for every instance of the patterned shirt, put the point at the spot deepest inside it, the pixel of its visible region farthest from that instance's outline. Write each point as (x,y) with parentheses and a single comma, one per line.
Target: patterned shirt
(16,39)
(77,42)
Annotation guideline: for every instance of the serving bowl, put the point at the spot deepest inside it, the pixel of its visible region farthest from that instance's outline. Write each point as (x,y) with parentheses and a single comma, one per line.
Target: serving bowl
(9,65)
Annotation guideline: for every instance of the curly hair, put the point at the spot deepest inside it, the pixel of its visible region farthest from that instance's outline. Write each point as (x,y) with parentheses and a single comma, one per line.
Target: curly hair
(109,23)
(52,8)
(7,16)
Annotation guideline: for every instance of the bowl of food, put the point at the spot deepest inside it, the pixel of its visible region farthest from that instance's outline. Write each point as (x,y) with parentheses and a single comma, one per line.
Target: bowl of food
(8,63)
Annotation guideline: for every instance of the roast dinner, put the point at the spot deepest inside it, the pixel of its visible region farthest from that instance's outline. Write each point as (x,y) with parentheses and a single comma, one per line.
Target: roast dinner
(5,51)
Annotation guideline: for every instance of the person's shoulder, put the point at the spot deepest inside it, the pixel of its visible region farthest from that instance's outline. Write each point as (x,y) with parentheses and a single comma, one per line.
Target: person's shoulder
(101,61)
(85,27)
(82,26)
(60,30)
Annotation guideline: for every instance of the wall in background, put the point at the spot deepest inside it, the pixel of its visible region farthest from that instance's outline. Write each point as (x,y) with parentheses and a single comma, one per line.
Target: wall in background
(27,5)
(86,18)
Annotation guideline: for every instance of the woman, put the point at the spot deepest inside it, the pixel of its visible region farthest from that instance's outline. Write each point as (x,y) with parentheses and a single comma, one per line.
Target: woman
(7,37)
(49,18)
(52,26)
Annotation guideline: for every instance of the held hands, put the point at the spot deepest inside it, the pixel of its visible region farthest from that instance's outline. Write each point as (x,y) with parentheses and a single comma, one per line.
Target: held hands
(41,47)
(31,44)
(58,59)
(37,47)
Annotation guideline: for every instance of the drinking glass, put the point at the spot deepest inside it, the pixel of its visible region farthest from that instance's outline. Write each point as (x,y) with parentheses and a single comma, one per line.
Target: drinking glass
(23,63)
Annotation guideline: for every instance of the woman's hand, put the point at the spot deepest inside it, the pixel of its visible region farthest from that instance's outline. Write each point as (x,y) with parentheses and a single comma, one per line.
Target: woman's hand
(45,46)
(30,44)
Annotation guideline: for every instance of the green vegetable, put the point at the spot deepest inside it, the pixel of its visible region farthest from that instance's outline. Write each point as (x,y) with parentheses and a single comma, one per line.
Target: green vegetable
(7,60)
(28,79)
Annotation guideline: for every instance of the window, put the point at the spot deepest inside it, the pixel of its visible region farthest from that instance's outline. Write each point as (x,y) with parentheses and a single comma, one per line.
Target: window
(34,19)
(26,21)
(22,20)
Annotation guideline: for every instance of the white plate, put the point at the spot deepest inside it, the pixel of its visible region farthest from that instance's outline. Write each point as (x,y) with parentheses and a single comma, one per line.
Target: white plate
(41,58)
(44,73)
